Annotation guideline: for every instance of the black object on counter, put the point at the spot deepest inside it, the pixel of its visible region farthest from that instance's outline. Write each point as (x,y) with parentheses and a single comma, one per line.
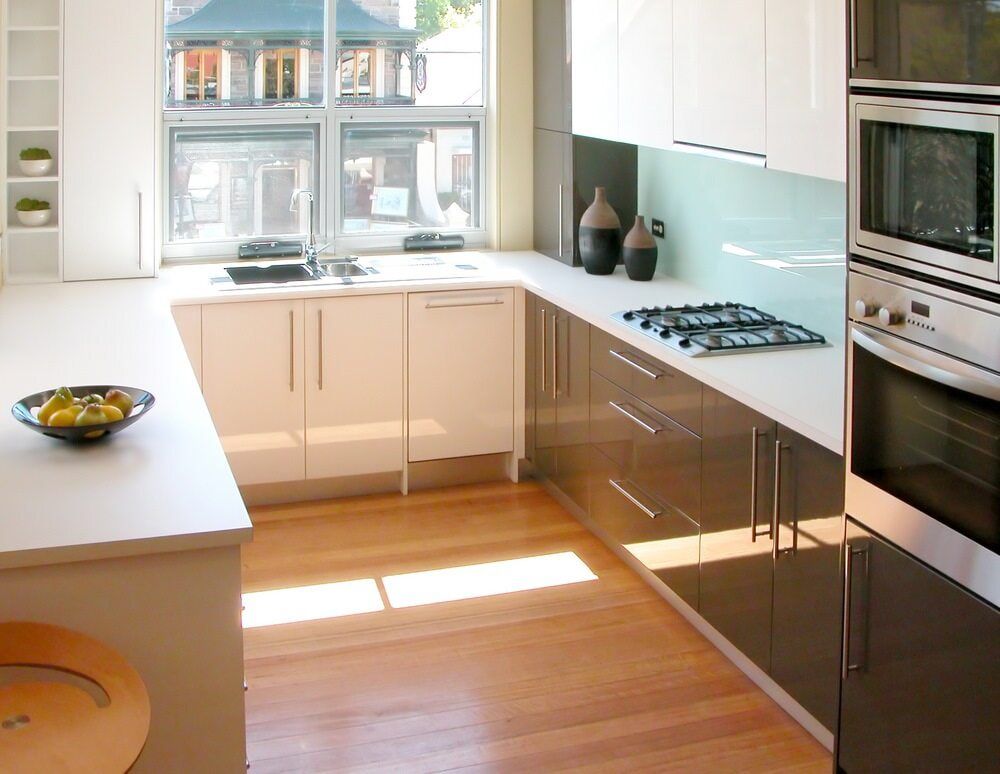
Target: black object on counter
(263,250)
(22,413)
(434,241)
(640,252)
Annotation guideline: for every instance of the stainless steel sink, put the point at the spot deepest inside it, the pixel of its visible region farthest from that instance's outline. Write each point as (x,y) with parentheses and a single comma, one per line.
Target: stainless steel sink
(271,275)
(342,268)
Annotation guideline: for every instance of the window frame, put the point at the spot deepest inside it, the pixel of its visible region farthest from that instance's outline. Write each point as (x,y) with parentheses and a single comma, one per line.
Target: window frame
(331,119)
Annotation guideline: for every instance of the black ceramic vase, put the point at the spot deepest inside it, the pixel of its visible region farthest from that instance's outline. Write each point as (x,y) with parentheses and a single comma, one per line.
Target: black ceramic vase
(600,236)
(640,252)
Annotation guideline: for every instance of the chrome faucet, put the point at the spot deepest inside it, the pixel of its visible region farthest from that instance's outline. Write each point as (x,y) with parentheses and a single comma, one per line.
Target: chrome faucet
(311,251)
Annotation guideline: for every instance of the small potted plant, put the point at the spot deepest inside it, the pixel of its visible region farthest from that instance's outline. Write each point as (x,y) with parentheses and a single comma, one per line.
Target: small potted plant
(33,212)
(35,162)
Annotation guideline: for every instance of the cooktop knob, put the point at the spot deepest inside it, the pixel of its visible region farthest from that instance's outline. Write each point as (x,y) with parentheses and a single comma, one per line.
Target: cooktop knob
(645,324)
(665,333)
(628,316)
(685,343)
(864,309)
(888,316)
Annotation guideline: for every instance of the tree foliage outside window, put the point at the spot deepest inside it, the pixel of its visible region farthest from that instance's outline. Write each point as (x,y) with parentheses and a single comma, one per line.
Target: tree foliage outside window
(433,16)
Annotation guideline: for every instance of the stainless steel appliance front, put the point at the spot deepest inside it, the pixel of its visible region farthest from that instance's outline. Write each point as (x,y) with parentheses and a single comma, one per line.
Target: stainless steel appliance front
(923,446)
(925,188)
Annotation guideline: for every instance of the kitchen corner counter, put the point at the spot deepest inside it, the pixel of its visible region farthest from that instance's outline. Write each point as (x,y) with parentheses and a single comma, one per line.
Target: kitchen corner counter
(160,486)
(802,389)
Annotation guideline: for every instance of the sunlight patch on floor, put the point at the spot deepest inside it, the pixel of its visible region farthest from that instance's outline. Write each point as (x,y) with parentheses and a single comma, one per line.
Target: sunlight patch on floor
(484,580)
(310,603)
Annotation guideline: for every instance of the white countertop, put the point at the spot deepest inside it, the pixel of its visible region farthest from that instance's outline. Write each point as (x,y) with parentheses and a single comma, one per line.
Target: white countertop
(161,485)
(802,389)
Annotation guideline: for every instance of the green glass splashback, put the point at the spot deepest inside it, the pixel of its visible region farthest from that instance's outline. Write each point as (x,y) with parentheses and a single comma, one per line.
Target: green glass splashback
(757,236)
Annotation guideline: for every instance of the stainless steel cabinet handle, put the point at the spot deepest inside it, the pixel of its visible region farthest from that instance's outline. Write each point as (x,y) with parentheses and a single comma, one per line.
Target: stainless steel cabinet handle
(632,413)
(754,462)
(555,356)
(140,230)
(320,324)
(846,667)
(560,220)
(853,31)
(776,513)
(291,351)
(545,319)
(630,359)
(464,304)
(620,487)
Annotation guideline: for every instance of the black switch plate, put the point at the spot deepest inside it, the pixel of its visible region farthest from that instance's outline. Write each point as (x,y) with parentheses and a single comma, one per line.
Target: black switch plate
(658,230)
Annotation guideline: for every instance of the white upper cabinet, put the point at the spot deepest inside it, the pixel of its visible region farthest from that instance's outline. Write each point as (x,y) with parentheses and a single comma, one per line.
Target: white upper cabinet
(461,373)
(109,142)
(594,35)
(354,385)
(719,80)
(645,72)
(253,382)
(806,87)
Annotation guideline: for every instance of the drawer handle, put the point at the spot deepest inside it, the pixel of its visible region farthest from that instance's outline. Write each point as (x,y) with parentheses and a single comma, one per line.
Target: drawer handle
(463,304)
(629,359)
(630,411)
(620,487)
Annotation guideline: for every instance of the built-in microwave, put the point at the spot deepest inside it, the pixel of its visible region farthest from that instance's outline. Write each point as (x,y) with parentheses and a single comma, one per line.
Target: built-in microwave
(926,45)
(924,187)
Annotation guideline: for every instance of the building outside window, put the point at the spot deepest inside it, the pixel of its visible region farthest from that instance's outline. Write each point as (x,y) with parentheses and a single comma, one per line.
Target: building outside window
(253,113)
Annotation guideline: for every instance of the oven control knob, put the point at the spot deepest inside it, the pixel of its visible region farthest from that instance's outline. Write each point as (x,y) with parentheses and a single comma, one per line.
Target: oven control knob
(864,309)
(887,316)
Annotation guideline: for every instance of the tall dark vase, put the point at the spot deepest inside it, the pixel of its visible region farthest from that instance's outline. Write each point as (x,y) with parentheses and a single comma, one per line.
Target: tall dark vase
(600,236)
(640,252)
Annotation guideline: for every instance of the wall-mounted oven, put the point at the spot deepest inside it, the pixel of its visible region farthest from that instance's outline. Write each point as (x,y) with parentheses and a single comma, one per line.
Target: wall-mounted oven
(926,45)
(925,188)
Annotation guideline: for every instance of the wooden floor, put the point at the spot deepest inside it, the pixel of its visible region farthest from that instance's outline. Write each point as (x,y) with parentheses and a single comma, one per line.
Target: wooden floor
(596,676)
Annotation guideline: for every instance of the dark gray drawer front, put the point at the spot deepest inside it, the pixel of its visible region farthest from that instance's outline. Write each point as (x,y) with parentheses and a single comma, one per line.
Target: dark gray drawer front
(652,450)
(663,539)
(666,389)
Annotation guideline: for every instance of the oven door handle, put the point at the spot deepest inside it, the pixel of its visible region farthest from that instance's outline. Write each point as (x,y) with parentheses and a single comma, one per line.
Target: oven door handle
(929,364)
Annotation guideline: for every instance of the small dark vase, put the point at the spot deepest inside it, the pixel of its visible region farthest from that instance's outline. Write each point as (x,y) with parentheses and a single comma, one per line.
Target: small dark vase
(600,236)
(640,252)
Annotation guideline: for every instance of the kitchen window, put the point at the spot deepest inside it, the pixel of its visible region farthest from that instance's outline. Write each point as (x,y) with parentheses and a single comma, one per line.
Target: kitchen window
(397,147)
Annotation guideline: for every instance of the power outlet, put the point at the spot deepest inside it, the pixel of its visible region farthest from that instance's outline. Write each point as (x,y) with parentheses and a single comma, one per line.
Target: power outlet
(658,229)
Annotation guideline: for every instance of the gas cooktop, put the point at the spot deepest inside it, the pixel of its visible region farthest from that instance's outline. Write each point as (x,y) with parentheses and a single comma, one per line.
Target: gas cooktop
(718,329)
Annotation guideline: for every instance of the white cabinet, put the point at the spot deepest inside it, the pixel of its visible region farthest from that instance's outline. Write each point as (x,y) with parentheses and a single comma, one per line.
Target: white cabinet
(354,385)
(594,36)
(719,81)
(645,72)
(109,142)
(461,373)
(806,87)
(253,381)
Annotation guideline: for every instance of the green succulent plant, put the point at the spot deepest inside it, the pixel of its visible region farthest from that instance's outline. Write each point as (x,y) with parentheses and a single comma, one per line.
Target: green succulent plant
(31,205)
(35,154)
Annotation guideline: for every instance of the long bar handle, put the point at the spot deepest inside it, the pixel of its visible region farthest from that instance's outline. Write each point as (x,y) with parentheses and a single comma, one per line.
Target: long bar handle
(776,513)
(633,414)
(291,350)
(320,324)
(140,229)
(555,355)
(846,667)
(545,320)
(755,441)
(629,359)
(463,305)
(620,487)
(852,6)
(560,219)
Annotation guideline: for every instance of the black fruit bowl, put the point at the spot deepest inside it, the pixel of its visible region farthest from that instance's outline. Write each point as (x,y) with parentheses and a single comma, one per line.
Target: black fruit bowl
(26,409)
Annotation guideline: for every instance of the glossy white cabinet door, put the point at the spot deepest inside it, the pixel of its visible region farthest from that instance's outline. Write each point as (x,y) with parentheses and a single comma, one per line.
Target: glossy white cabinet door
(719,74)
(645,72)
(253,381)
(461,373)
(109,139)
(807,87)
(594,37)
(354,385)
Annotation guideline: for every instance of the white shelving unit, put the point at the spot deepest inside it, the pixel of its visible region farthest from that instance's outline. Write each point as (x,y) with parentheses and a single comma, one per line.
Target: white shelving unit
(31,93)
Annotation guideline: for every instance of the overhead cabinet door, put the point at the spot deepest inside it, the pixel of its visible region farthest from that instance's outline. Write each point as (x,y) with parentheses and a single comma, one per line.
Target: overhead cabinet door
(461,373)
(719,89)
(253,384)
(109,143)
(595,68)
(645,72)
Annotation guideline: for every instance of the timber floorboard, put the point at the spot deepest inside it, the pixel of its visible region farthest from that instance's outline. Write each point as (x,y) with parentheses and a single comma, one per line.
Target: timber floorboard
(597,676)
